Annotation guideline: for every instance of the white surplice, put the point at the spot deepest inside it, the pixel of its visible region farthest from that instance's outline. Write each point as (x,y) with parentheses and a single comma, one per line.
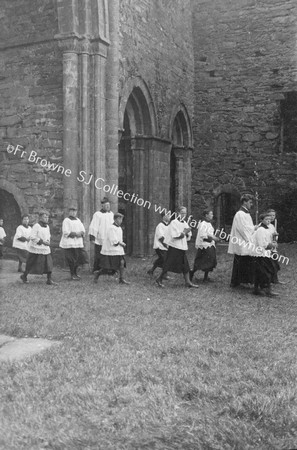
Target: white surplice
(242,234)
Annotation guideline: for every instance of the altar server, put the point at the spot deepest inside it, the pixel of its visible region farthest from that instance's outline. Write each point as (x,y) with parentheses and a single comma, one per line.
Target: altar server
(176,238)
(73,232)
(39,259)
(206,259)
(21,240)
(101,221)
(113,251)
(264,269)
(159,246)
(274,239)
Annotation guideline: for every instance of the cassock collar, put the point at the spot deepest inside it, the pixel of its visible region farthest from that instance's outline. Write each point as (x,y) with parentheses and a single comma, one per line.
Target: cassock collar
(116,225)
(264,226)
(72,218)
(244,209)
(165,223)
(42,224)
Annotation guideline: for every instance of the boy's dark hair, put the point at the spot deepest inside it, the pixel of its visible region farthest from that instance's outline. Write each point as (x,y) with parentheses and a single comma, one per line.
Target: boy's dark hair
(207,211)
(117,214)
(246,198)
(263,215)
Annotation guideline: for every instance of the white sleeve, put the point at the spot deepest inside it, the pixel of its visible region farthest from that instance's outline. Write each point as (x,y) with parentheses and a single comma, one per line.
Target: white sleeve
(19,232)
(82,228)
(174,230)
(112,236)
(245,226)
(95,224)
(66,228)
(35,234)
(159,232)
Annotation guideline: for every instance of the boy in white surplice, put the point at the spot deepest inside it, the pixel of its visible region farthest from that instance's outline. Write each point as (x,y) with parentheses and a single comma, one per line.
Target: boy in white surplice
(112,256)
(206,259)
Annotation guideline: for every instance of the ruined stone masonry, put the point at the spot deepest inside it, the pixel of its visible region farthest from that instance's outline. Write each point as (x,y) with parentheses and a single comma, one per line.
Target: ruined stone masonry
(245,103)
(103,87)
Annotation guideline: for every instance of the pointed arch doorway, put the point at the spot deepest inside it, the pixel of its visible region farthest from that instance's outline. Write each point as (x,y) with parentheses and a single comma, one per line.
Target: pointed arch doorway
(134,168)
(180,160)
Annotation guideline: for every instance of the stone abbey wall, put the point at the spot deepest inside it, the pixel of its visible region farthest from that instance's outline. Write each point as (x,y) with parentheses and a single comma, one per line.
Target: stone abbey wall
(76,83)
(31,110)
(156,45)
(245,67)
(57,97)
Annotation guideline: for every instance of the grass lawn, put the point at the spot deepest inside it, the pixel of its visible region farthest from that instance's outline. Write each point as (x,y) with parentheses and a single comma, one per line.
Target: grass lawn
(139,367)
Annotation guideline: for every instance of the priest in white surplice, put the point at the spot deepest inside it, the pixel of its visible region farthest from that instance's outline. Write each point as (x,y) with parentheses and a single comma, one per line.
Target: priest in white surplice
(241,243)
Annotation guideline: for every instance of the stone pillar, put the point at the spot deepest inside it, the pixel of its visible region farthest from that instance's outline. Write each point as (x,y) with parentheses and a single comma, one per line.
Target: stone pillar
(85,132)
(99,122)
(139,225)
(152,190)
(179,175)
(70,121)
(157,162)
(112,99)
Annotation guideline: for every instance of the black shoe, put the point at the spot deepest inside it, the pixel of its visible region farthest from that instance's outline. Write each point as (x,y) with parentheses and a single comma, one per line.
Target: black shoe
(259,292)
(24,279)
(159,283)
(207,280)
(166,277)
(75,277)
(192,285)
(96,276)
(50,282)
(270,293)
(122,281)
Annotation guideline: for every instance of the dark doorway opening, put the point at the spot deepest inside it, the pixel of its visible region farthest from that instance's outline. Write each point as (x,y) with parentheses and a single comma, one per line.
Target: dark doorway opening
(133,169)
(172,201)
(288,110)
(11,215)
(126,183)
(227,204)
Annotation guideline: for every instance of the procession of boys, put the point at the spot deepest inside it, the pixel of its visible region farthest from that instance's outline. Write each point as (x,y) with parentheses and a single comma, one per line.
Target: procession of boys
(254,247)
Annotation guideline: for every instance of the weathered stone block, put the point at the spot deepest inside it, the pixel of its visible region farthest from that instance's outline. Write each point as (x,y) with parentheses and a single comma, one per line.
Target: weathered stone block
(10,121)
